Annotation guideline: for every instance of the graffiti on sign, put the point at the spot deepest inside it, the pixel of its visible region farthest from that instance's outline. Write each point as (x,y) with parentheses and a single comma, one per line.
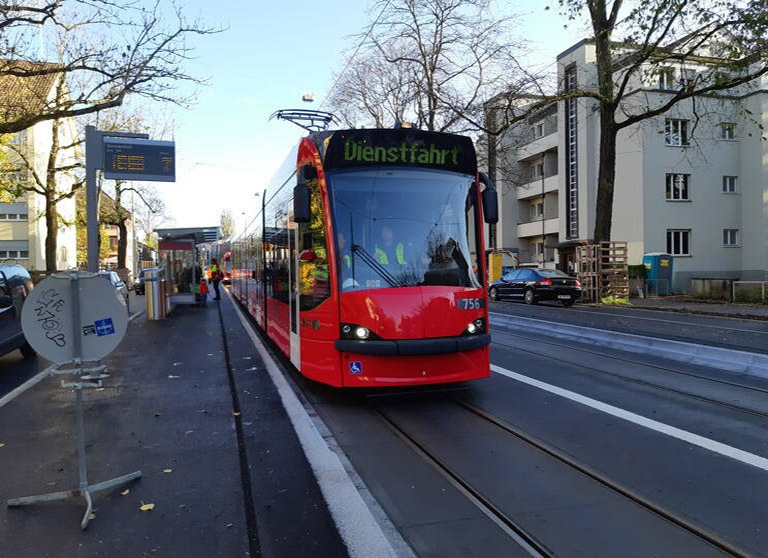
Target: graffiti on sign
(47,310)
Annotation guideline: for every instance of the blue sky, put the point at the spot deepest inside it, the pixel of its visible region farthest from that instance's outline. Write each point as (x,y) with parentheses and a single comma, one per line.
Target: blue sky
(272,53)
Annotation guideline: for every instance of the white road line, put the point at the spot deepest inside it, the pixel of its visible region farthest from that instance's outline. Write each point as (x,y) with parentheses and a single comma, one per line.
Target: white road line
(34,380)
(684,435)
(357,526)
(692,324)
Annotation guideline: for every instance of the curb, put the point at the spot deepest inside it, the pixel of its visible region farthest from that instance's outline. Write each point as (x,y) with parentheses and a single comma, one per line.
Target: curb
(755,364)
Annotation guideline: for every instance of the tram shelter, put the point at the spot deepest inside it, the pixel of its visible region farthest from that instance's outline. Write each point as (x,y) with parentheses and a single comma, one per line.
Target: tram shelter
(178,256)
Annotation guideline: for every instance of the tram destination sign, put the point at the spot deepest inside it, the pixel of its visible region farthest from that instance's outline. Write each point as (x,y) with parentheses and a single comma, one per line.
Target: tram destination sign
(400,147)
(139,159)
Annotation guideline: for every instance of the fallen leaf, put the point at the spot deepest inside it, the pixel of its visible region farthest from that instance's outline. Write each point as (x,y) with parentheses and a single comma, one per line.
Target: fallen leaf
(235,414)
(2,445)
(125,492)
(147,507)
(157,414)
(228,525)
(167,470)
(92,516)
(189,432)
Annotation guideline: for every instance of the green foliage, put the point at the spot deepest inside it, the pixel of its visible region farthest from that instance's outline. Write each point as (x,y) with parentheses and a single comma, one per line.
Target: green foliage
(614,301)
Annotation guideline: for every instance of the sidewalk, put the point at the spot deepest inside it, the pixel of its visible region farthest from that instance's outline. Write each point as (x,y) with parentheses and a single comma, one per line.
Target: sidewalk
(223,484)
(692,306)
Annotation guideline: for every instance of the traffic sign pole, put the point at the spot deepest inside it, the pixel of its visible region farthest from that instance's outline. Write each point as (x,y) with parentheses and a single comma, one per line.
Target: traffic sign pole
(43,320)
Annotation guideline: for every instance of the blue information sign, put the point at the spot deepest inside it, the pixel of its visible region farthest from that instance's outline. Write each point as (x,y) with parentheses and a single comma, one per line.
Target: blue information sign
(139,159)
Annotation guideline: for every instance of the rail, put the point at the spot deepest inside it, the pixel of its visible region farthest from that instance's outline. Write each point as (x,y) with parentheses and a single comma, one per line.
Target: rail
(750,291)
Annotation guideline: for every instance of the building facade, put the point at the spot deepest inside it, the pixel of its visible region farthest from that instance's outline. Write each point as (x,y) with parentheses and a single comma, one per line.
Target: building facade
(692,182)
(22,220)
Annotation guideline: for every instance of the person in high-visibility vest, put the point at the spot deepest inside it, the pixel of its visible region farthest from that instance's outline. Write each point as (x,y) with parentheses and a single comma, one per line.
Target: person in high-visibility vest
(215,277)
(389,252)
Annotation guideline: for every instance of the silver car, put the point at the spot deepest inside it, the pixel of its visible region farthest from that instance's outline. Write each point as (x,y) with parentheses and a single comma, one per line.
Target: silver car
(119,284)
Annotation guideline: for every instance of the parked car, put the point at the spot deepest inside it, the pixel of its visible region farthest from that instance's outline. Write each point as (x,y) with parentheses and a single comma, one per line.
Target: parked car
(119,284)
(15,285)
(533,285)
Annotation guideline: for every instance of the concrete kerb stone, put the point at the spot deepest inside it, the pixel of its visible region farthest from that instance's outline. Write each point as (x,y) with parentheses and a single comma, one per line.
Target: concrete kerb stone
(716,357)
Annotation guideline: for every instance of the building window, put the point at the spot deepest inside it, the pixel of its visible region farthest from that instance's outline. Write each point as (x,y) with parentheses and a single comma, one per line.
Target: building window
(537,171)
(727,131)
(14,216)
(537,210)
(729,184)
(676,132)
(677,187)
(730,237)
(666,78)
(687,77)
(679,242)
(537,130)
(14,254)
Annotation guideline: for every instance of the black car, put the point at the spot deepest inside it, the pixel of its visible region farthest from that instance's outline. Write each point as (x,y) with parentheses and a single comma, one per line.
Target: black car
(15,285)
(533,285)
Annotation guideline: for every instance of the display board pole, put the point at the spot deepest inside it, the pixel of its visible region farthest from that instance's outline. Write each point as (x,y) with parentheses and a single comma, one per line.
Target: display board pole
(94,160)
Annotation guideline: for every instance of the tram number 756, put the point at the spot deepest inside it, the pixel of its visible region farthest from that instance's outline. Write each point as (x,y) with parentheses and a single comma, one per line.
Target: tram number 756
(470,303)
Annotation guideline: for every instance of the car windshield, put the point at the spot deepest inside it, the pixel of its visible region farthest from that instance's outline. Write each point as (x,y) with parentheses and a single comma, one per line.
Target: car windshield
(403,227)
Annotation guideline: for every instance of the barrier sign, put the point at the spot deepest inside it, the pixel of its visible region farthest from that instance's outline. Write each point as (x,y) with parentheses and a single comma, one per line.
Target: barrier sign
(48,318)
(139,159)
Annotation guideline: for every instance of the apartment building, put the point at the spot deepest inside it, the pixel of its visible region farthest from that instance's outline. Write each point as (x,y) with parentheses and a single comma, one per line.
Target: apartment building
(22,220)
(692,182)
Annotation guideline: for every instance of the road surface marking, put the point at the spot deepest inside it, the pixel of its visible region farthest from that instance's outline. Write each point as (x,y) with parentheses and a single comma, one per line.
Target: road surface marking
(690,437)
(358,528)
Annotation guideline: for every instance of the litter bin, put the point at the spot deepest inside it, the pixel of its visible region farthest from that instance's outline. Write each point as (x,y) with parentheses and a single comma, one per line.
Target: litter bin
(154,287)
(658,273)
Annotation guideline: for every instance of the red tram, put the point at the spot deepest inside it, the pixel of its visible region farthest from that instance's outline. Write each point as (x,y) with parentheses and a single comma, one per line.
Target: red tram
(364,263)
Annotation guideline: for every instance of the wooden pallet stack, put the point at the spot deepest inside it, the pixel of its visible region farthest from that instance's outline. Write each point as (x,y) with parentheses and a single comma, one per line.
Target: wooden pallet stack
(603,270)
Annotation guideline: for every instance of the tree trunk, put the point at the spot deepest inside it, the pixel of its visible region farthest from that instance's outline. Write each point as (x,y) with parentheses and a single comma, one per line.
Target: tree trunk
(606,176)
(122,243)
(52,233)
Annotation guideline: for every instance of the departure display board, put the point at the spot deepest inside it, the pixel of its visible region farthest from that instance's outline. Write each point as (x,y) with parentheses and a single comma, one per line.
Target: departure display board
(139,159)
(400,147)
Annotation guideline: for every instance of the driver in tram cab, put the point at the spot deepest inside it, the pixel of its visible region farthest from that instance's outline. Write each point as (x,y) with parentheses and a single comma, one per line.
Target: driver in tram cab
(388,252)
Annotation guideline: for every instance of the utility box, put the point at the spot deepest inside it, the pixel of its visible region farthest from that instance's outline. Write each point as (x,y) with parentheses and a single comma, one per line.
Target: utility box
(658,274)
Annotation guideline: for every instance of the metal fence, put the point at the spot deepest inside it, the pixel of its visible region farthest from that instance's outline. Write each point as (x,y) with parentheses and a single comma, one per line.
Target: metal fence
(755,292)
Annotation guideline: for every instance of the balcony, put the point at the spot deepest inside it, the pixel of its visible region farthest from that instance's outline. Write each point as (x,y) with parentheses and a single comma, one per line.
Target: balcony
(537,146)
(534,228)
(533,188)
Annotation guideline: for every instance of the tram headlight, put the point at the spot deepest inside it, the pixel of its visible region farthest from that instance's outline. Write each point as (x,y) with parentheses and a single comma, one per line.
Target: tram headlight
(362,332)
(471,328)
(477,326)
(346,329)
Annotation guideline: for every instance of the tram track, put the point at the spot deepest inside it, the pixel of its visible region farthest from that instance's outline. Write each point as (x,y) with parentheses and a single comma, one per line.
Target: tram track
(534,545)
(637,381)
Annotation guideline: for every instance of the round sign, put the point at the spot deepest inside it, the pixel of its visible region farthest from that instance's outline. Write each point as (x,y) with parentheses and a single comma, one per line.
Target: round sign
(53,326)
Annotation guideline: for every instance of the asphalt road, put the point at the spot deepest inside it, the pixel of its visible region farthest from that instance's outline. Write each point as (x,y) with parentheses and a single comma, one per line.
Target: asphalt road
(568,451)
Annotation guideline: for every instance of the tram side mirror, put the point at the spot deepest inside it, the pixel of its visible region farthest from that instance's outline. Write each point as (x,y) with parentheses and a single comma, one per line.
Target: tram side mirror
(490,200)
(302,210)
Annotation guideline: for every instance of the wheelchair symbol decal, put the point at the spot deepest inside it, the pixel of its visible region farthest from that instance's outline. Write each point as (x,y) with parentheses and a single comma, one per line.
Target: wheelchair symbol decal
(355,367)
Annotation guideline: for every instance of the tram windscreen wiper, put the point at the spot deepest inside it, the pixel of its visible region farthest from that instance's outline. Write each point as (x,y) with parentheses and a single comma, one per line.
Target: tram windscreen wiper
(366,257)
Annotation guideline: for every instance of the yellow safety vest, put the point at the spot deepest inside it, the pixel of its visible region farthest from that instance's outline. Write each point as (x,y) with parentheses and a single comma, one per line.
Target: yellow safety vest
(381,255)
(348,261)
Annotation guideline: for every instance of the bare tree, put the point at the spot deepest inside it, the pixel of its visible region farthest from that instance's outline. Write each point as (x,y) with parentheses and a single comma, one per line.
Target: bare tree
(108,51)
(429,61)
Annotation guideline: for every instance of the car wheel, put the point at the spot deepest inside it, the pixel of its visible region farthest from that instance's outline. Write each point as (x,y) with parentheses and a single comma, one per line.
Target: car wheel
(27,351)
(529,297)
(493,294)
(568,302)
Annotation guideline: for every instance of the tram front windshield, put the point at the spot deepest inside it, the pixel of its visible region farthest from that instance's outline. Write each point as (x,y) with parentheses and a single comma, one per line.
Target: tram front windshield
(403,228)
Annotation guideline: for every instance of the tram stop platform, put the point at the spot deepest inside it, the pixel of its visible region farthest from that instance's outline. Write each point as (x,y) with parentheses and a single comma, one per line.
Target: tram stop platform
(221,462)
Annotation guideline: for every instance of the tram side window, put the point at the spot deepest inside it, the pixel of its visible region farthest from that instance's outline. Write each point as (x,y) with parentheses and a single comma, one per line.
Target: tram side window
(314,278)
(279,269)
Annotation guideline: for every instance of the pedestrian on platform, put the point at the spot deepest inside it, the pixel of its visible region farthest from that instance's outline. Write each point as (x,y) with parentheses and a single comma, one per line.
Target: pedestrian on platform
(202,292)
(216,276)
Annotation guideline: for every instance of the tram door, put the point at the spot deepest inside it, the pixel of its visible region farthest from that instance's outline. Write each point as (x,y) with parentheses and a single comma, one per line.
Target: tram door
(293,242)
